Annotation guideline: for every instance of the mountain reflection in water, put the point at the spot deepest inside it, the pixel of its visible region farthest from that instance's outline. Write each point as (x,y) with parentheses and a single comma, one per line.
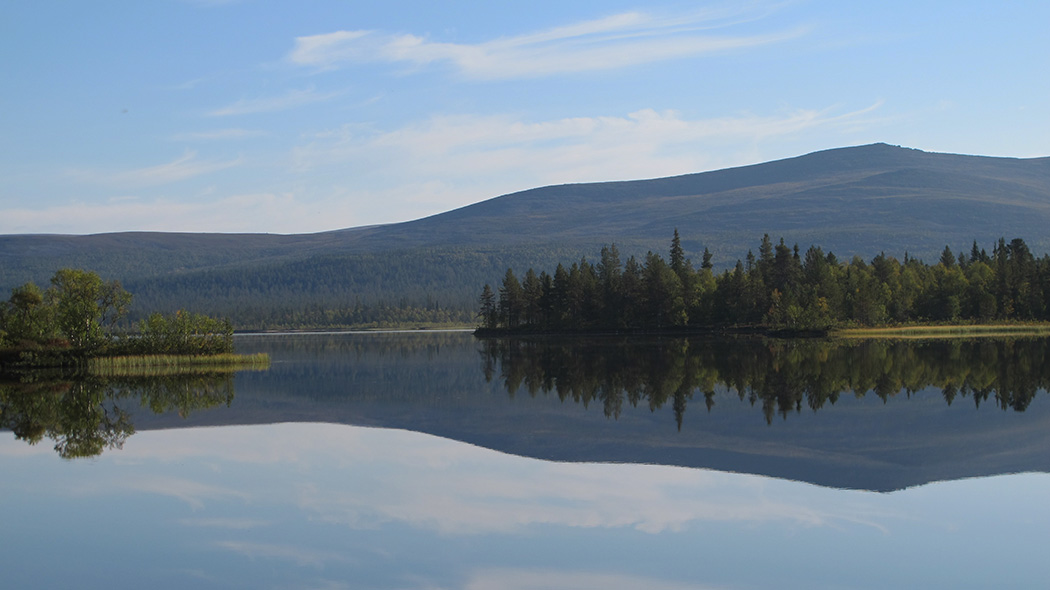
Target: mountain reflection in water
(555,465)
(876,415)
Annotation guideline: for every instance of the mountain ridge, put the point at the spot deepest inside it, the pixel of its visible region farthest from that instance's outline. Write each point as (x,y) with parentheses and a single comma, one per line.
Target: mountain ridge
(858,200)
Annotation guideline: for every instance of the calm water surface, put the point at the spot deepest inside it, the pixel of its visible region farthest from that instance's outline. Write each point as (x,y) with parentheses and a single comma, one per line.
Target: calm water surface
(437,461)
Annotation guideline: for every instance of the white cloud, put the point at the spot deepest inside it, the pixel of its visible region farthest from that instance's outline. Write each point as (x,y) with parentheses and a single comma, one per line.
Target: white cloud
(356,175)
(616,41)
(242,213)
(330,48)
(12,447)
(268,104)
(186,166)
(242,524)
(454,488)
(191,492)
(218,135)
(532,579)
(270,551)
(449,161)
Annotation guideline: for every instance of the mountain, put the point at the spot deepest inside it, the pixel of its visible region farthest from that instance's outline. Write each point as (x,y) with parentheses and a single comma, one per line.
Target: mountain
(857,200)
(854,200)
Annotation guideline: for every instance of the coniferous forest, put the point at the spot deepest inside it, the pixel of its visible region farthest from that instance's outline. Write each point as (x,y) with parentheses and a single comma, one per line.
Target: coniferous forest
(782,288)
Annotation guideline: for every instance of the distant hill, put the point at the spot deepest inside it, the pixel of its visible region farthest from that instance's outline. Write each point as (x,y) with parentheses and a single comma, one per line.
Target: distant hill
(856,200)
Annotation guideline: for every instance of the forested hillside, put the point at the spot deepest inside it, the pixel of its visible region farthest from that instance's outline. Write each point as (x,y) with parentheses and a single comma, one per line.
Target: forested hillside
(852,201)
(400,288)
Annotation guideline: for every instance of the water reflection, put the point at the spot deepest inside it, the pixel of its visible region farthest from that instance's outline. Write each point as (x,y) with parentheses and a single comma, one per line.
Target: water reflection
(331,506)
(780,376)
(436,383)
(86,415)
(871,415)
(454,490)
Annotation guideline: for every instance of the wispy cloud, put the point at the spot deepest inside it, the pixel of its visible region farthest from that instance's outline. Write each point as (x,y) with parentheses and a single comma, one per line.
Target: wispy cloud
(612,42)
(186,166)
(191,492)
(538,579)
(225,523)
(645,127)
(454,160)
(433,165)
(269,104)
(268,551)
(218,135)
(241,213)
(452,488)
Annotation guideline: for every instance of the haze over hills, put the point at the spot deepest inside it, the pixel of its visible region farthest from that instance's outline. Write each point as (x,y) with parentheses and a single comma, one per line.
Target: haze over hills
(858,200)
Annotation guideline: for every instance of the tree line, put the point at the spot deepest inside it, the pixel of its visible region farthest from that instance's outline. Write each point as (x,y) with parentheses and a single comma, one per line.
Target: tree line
(780,288)
(78,315)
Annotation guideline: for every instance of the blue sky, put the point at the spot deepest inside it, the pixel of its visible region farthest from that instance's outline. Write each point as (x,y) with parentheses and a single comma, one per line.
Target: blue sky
(291,117)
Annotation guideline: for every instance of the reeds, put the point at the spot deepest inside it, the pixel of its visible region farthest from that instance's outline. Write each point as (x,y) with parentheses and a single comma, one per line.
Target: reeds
(160,365)
(947,331)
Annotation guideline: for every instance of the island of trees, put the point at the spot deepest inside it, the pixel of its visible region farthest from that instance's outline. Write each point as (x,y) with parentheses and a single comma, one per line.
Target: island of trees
(781,288)
(75,321)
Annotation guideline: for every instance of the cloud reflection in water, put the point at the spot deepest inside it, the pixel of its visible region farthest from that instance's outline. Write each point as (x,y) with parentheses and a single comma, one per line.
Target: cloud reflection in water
(364,477)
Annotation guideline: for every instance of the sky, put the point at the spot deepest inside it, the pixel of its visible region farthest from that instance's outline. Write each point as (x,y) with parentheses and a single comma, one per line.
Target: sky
(300,117)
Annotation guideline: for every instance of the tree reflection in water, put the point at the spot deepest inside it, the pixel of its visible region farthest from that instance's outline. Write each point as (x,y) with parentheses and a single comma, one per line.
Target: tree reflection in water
(87,415)
(780,375)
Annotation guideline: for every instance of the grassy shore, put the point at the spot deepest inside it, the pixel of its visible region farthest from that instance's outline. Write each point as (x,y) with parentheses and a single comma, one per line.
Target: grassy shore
(159,365)
(946,331)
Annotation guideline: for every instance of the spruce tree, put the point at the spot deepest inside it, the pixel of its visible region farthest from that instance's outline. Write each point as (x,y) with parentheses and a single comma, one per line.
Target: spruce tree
(706,264)
(488,314)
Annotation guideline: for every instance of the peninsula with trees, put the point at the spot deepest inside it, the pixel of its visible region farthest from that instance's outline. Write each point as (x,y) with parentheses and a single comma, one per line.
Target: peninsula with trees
(75,323)
(781,289)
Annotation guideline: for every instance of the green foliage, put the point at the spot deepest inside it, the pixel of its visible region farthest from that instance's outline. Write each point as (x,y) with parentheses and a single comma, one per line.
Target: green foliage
(181,333)
(423,287)
(489,314)
(76,319)
(25,317)
(84,306)
(780,290)
(78,310)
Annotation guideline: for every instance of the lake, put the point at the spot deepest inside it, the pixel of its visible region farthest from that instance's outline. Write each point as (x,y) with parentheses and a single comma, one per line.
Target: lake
(433,460)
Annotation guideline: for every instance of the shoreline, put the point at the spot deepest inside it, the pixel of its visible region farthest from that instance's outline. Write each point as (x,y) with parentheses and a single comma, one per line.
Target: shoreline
(922,331)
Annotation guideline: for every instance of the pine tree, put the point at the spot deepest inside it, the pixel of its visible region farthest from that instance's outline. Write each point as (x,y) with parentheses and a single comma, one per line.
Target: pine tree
(488,314)
(532,293)
(678,264)
(947,258)
(706,264)
(511,301)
